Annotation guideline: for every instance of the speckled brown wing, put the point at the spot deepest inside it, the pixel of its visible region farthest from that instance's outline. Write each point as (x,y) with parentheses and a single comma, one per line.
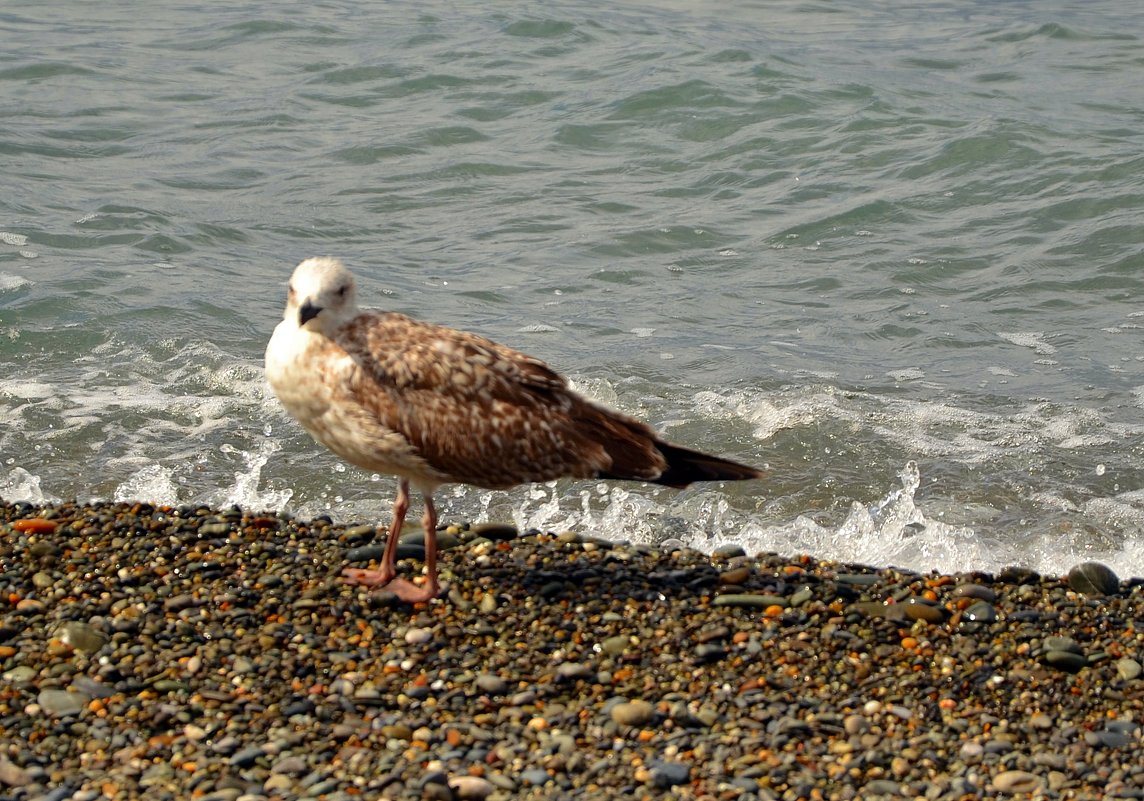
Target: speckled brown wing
(482,413)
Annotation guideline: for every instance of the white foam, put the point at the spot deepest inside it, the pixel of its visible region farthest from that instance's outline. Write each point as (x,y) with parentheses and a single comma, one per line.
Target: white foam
(183,422)
(1030,339)
(906,374)
(20,486)
(153,483)
(246,491)
(894,530)
(10,282)
(16,240)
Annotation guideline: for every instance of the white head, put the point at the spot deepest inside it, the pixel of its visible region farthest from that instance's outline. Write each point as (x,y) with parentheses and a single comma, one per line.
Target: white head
(322,295)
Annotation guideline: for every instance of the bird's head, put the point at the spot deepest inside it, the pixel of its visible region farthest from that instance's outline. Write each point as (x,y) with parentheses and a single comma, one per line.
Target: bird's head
(322,295)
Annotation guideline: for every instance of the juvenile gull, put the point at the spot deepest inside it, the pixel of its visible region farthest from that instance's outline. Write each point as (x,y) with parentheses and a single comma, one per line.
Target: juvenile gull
(433,405)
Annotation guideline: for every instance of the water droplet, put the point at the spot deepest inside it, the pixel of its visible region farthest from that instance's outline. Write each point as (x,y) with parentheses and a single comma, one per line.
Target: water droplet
(1100,470)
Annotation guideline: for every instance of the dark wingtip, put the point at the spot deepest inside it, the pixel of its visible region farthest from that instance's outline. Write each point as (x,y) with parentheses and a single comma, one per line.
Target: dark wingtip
(685,466)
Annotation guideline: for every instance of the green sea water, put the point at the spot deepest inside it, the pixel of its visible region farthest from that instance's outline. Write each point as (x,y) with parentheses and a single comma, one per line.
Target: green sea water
(894,253)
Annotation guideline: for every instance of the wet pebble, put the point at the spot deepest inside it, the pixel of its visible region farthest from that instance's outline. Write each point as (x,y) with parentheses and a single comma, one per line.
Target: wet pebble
(497,532)
(980,612)
(61,703)
(978,591)
(666,775)
(1094,578)
(1017,781)
(418,636)
(633,713)
(571,671)
(738,575)
(491,683)
(748,600)
(535,776)
(1128,668)
(82,636)
(1108,739)
(918,609)
(1068,661)
(471,788)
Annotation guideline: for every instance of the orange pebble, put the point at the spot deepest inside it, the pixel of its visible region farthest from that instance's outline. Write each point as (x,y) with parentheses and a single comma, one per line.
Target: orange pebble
(947,703)
(35,525)
(909,642)
(774,610)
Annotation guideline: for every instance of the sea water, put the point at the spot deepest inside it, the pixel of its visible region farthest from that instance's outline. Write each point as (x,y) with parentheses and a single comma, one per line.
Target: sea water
(893,254)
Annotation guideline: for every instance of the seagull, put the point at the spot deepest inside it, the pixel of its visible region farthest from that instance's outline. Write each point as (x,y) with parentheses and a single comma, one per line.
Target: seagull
(433,405)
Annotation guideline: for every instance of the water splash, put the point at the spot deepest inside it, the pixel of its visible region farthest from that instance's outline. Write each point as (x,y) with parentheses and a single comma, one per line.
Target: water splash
(22,487)
(245,492)
(153,483)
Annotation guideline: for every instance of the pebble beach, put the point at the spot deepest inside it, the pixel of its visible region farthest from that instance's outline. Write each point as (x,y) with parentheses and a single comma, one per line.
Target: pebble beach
(215,654)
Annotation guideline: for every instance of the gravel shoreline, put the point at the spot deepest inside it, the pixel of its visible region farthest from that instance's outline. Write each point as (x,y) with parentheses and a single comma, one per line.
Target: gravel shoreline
(179,653)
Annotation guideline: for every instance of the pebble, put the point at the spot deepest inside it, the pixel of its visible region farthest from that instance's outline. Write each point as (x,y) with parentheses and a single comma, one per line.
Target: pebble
(82,636)
(571,671)
(1128,668)
(239,667)
(748,600)
(247,756)
(61,703)
(738,575)
(1108,739)
(971,590)
(1094,578)
(1017,781)
(666,775)
(917,609)
(491,683)
(11,775)
(980,612)
(1068,661)
(417,636)
(615,646)
(497,532)
(633,713)
(535,776)
(471,788)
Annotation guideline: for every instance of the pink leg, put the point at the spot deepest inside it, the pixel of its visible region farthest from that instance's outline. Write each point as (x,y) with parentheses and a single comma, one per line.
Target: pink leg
(405,590)
(379,578)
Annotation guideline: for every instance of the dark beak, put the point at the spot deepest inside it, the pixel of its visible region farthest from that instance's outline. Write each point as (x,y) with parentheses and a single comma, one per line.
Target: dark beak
(307,313)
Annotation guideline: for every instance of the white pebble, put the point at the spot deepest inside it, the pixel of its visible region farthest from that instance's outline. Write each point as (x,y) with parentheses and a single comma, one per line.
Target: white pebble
(417,636)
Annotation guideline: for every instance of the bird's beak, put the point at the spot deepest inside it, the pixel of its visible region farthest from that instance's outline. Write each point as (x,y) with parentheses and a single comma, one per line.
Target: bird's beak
(307,312)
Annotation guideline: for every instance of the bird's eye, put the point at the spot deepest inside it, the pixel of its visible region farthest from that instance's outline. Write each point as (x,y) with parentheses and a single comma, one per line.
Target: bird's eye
(342,291)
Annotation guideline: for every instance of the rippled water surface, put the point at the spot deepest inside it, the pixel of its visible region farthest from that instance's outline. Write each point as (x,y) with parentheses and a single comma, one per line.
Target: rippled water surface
(895,254)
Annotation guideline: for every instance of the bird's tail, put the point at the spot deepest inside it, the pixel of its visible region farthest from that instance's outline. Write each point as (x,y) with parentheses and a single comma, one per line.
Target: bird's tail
(635,452)
(685,466)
